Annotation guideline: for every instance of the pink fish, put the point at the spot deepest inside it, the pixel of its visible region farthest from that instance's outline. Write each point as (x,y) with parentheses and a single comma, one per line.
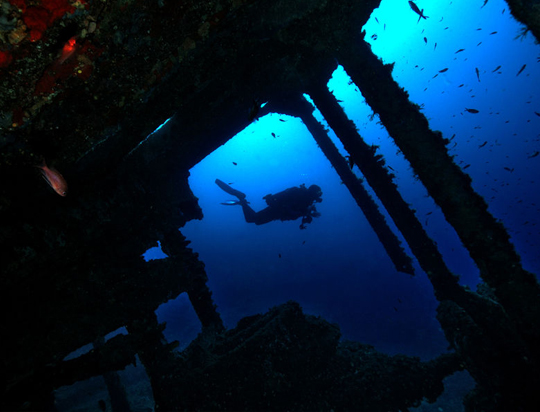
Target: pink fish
(53,178)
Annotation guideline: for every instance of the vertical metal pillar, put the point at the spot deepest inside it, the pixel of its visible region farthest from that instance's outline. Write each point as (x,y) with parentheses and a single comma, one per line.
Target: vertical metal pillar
(388,239)
(372,167)
(174,245)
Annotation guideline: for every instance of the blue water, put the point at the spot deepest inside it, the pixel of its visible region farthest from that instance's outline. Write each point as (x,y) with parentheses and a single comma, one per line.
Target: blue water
(337,268)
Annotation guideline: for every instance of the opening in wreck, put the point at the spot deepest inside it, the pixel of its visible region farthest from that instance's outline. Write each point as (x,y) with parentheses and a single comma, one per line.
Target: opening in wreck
(259,160)
(315,266)
(340,268)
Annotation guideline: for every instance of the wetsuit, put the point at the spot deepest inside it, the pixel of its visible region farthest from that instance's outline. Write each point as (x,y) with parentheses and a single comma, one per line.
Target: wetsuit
(290,204)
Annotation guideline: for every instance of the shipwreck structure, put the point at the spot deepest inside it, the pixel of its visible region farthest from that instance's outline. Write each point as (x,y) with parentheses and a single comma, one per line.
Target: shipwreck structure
(84,83)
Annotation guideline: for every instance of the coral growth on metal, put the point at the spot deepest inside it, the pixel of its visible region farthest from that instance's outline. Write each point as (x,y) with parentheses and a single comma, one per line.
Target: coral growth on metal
(24,32)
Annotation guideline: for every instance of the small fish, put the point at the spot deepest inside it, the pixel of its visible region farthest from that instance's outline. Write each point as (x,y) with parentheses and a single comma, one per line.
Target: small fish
(474,111)
(415,8)
(281,120)
(461,85)
(466,166)
(536,113)
(493,32)
(53,178)
(273,135)
(496,68)
(374,37)
(425,40)
(377,20)
(483,144)
(520,70)
(533,155)
(485,2)
(508,169)
(234,163)
(304,242)
(477,73)
(231,202)
(279,254)
(443,70)
(459,51)
(435,46)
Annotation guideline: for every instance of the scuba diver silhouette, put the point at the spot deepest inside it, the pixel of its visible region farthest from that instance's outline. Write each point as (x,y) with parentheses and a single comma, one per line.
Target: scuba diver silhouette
(289,204)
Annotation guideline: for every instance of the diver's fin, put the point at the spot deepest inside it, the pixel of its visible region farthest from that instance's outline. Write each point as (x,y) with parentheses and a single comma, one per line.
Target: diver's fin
(225,187)
(234,202)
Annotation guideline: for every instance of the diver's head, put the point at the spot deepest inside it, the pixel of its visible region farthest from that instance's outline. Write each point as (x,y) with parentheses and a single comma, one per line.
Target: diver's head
(316,192)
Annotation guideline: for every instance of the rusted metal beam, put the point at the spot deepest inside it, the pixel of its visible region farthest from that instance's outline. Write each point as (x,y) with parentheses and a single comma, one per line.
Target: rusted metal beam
(298,106)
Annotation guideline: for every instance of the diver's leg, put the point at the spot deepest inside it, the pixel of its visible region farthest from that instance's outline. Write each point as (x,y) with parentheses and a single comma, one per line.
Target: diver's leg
(249,214)
(259,218)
